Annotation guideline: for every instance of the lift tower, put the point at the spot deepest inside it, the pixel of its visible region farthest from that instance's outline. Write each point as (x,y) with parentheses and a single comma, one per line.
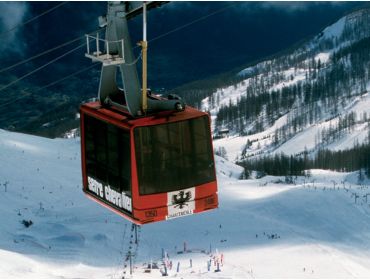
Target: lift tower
(115,52)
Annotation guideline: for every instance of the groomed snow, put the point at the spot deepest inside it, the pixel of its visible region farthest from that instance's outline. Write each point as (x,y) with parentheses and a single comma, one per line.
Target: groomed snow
(263,228)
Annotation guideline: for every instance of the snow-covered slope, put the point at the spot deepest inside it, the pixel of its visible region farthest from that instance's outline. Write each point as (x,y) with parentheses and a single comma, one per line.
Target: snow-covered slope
(310,120)
(317,228)
(309,139)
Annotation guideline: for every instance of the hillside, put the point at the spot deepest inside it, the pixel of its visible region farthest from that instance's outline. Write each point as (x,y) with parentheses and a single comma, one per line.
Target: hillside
(305,107)
(41,98)
(314,97)
(317,228)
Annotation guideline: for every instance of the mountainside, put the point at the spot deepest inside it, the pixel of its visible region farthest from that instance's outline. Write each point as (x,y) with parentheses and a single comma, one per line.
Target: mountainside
(315,97)
(293,115)
(50,229)
(184,45)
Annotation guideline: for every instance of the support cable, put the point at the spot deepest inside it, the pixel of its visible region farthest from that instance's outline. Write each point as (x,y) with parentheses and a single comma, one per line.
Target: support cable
(41,67)
(15,100)
(85,69)
(47,51)
(136,60)
(49,85)
(67,77)
(32,19)
(156,38)
(38,55)
(192,22)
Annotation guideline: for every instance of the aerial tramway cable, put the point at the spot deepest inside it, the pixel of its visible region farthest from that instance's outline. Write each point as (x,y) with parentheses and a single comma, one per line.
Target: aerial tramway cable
(42,66)
(191,23)
(87,68)
(69,76)
(49,85)
(32,19)
(47,51)
(39,55)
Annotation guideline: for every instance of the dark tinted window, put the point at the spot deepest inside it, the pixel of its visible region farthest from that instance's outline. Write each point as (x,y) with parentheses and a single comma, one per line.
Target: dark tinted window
(174,156)
(107,150)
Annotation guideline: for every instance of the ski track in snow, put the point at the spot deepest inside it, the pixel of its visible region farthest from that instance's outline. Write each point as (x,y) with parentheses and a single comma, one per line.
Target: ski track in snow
(318,232)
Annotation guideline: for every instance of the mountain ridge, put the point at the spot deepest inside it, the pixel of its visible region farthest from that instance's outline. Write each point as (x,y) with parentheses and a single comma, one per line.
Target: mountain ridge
(314,84)
(170,60)
(229,76)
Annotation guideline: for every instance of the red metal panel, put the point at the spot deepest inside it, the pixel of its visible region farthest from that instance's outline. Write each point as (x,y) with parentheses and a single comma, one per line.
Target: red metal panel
(83,156)
(124,118)
(165,117)
(206,203)
(134,179)
(122,214)
(159,213)
(145,208)
(205,189)
(106,115)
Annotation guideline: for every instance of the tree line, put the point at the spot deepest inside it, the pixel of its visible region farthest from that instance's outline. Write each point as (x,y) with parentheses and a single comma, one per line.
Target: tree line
(327,88)
(357,158)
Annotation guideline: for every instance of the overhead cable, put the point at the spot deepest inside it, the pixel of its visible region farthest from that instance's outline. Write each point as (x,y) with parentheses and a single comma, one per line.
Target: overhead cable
(27,93)
(67,77)
(192,22)
(85,69)
(32,19)
(41,67)
(46,52)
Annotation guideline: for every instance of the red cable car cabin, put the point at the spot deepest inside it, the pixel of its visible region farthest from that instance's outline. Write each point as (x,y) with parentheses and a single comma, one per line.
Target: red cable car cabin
(148,169)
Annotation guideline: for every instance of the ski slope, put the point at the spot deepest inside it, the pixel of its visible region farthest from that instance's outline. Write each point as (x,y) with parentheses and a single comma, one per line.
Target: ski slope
(317,228)
(305,140)
(278,73)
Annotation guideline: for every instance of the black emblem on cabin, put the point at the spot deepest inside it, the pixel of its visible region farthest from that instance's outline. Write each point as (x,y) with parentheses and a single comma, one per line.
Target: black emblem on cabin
(181,198)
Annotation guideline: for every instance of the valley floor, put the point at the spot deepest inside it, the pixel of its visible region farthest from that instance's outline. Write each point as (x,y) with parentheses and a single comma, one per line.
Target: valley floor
(318,227)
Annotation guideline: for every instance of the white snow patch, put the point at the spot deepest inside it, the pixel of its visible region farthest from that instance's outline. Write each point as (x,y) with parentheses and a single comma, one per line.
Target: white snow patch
(234,144)
(334,30)
(246,71)
(323,57)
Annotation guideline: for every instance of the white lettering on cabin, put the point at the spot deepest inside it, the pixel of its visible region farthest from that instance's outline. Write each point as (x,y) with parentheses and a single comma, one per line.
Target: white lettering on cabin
(119,199)
(95,187)
(179,214)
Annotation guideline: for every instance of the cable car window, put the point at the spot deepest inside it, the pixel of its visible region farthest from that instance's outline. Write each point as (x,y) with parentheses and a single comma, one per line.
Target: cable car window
(125,163)
(174,156)
(107,150)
